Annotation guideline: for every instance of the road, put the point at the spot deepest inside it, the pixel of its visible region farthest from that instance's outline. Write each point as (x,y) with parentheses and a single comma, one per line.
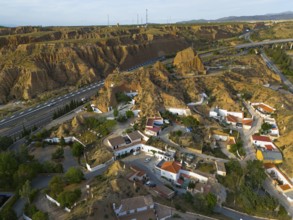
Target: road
(269,187)
(42,114)
(273,67)
(256,44)
(246,135)
(233,214)
(164,136)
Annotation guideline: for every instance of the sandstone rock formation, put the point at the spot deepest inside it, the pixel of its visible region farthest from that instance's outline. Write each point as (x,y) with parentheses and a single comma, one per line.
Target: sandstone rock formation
(187,61)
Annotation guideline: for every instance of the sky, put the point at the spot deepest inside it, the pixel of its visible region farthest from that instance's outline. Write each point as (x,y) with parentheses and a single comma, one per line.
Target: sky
(97,12)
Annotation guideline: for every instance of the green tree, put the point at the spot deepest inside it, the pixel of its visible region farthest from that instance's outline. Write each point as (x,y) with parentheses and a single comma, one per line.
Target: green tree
(74,175)
(115,112)
(266,127)
(62,141)
(255,174)
(68,198)
(26,172)
(129,114)
(5,142)
(58,154)
(190,121)
(56,185)
(211,201)
(8,214)
(26,191)
(39,215)
(8,166)
(77,149)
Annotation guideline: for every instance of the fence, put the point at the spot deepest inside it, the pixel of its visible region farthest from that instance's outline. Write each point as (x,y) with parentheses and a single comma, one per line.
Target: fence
(100,166)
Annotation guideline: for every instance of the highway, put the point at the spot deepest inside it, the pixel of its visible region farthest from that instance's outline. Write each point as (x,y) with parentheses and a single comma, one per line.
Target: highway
(274,68)
(256,44)
(43,113)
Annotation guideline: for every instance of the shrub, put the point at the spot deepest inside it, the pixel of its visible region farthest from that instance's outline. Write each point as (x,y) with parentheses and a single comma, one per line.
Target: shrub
(74,175)
(68,198)
(58,154)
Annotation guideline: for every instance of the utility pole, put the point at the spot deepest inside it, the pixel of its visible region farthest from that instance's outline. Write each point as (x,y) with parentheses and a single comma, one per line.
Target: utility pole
(137,19)
(146,17)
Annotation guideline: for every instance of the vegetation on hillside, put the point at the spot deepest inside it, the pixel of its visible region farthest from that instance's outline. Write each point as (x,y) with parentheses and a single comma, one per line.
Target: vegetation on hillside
(283,60)
(245,191)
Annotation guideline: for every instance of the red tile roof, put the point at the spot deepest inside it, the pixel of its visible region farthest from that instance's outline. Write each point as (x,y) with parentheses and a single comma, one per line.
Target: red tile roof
(171,166)
(285,187)
(266,108)
(269,165)
(247,122)
(232,118)
(269,147)
(261,138)
(155,129)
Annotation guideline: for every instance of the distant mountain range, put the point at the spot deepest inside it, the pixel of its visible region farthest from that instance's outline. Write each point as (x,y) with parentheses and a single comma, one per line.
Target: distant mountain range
(278,16)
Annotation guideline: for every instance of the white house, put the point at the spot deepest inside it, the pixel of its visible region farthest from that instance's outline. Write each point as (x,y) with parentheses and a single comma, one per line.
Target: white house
(153,126)
(232,118)
(134,205)
(179,111)
(263,109)
(95,109)
(221,170)
(282,182)
(170,170)
(261,140)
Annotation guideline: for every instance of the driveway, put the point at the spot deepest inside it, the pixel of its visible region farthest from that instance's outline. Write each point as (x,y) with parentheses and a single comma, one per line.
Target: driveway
(139,161)
(233,214)
(40,182)
(69,159)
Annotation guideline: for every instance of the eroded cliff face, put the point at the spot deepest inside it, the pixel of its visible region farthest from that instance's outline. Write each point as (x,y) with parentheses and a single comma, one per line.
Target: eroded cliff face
(28,69)
(34,60)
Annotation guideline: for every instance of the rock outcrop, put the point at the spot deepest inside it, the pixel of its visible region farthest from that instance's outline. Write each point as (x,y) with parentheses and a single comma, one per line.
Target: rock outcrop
(187,61)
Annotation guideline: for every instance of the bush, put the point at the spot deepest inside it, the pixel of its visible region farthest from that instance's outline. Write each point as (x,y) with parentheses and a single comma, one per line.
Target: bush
(121,97)
(77,149)
(68,198)
(5,142)
(39,215)
(51,167)
(8,214)
(30,210)
(74,175)
(129,114)
(58,154)
(56,186)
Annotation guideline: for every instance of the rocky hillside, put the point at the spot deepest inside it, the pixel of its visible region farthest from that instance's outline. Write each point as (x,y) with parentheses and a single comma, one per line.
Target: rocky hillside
(158,89)
(34,60)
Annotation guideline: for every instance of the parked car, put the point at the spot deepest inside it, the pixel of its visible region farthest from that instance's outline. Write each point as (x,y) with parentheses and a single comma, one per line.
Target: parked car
(148,159)
(150,184)
(135,153)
